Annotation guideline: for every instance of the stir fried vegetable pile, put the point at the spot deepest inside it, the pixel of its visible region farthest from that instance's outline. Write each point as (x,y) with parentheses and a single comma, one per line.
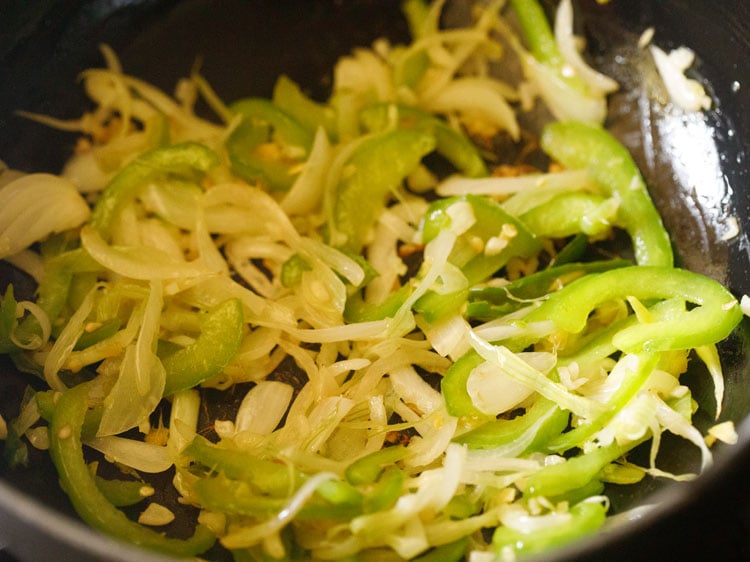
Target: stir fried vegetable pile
(474,358)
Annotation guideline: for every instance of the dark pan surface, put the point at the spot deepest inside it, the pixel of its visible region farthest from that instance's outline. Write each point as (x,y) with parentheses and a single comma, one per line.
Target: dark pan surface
(696,166)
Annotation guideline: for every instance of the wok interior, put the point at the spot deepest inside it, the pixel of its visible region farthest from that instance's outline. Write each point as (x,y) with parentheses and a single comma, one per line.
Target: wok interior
(694,165)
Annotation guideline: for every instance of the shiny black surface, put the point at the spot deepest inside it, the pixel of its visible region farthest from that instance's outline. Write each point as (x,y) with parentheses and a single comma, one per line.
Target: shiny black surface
(696,167)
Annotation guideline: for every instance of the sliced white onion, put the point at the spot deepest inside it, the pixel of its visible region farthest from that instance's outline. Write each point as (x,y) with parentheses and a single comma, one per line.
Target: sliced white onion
(685,92)
(34,206)
(566,42)
(263,407)
(135,454)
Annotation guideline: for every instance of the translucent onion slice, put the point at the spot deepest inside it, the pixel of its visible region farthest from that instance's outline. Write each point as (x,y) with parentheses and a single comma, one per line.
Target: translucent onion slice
(135,454)
(34,206)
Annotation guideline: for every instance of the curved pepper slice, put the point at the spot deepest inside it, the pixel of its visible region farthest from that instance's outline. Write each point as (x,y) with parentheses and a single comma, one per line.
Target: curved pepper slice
(571,213)
(585,518)
(493,302)
(543,421)
(217,344)
(182,159)
(453,145)
(89,502)
(288,96)
(269,145)
(713,318)
(374,169)
(264,475)
(579,145)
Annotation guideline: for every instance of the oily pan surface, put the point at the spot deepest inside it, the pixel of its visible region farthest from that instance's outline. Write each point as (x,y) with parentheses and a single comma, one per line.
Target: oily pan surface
(696,169)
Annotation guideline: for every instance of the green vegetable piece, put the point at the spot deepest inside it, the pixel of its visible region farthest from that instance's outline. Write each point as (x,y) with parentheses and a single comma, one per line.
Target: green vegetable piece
(292,270)
(541,423)
(451,552)
(218,342)
(369,468)
(570,213)
(713,318)
(121,493)
(184,159)
(574,250)
(339,492)
(451,143)
(585,518)
(89,502)
(288,97)
(537,32)
(106,330)
(493,302)
(386,491)
(410,69)
(579,145)
(541,41)
(575,472)
(357,310)
(46,401)
(372,172)
(269,145)
(240,498)
(15,451)
(453,386)
(269,477)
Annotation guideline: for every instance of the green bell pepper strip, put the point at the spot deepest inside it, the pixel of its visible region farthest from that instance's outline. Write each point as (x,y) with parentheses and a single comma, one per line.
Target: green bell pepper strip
(292,270)
(594,487)
(288,97)
(451,552)
(238,497)
(579,145)
(570,213)
(184,159)
(537,32)
(265,475)
(218,342)
(450,143)
(458,402)
(54,290)
(121,493)
(369,468)
(411,67)
(92,506)
(541,423)
(475,263)
(46,401)
(374,170)
(357,310)
(106,330)
(586,518)
(15,451)
(576,472)
(712,320)
(541,41)
(573,250)
(385,491)
(265,125)
(493,302)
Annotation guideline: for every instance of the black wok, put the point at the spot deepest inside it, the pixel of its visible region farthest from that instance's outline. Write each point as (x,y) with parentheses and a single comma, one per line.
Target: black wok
(697,168)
